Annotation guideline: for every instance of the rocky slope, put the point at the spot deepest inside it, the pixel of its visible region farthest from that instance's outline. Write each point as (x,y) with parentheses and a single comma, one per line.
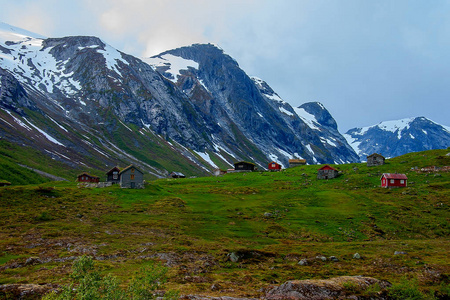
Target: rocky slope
(394,138)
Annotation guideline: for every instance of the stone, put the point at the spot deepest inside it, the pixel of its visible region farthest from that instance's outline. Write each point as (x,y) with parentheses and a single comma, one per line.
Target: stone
(303,262)
(356,256)
(333,258)
(400,253)
(233,257)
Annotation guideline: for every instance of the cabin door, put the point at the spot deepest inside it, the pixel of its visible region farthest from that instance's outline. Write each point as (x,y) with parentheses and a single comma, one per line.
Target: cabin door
(132,185)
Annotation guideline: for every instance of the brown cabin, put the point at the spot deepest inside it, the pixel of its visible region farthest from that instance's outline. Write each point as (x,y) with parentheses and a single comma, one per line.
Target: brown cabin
(375,160)
(113,175)
(327,172)
(85,177)
(296,162)
(244,166)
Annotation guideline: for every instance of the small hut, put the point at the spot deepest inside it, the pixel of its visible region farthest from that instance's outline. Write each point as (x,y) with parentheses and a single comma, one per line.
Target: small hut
(131,177)
(244,166)
(389,180)
(177,175)
(274,166)
(85,177)
(296,162)
(375,160)
(113,175)
(327,172)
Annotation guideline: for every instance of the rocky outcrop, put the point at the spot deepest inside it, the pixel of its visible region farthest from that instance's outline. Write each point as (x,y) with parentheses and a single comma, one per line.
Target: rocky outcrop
(345,287)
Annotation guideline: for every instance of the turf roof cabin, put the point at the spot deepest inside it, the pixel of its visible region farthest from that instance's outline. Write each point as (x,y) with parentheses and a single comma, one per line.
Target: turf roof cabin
(375,160)
(244,166)
(389,180)
(85,177)
(296,162)
(131,177)
(4,183)
(273,166)
(327,172)
(113,175)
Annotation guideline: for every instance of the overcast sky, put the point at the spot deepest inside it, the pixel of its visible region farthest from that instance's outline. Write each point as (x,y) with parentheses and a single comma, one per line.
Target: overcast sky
(367,61)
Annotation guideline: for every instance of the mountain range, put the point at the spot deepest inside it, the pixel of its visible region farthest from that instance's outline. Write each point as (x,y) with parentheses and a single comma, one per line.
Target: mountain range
(191,109)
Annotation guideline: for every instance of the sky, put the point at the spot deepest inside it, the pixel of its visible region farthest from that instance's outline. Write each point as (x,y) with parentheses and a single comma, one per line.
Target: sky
(366,61)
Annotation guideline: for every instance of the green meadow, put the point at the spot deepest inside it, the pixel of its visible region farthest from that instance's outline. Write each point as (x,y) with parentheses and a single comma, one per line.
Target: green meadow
(268,220)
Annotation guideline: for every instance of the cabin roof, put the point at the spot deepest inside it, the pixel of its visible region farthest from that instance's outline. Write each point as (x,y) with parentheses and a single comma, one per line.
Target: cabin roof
(244,162)
(129,167)
(86,174)
(327,167)
(394,176)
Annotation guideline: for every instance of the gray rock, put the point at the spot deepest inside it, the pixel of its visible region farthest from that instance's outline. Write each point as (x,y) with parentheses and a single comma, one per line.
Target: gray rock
(356,256)
(333,258)
(400,253)
(303,262)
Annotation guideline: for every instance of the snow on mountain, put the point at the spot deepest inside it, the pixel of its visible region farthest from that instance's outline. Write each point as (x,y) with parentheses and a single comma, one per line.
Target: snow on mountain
(397,137)
(172,65)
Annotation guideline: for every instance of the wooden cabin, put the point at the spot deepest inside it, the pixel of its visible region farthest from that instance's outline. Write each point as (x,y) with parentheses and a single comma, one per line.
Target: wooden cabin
(296,162)
(327,172)
(131,177)
(177,175)
(389,180)
(375,159)
(113,175)
(274,166)
(85,177)
(244,166)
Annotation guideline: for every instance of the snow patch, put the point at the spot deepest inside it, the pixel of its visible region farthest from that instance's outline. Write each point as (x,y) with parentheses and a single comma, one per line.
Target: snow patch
(308,118)
(285,111)
(174,63)
(47,136)
(206,158)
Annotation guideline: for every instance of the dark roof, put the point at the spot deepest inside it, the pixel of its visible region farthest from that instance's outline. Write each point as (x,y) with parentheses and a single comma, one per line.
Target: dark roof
(327,167)
(129,167)
(394,176)
(375,154)
(273,162)
(115,168)
(244,162)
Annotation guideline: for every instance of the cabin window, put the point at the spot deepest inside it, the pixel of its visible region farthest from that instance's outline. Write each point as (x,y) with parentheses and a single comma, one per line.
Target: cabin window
(273,165)
(132,176)
(402,181)
(115,175)
(392,181)
(132,170)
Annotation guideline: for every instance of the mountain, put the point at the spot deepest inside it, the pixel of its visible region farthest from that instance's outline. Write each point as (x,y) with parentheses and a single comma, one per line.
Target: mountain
(394,138)
(192,109)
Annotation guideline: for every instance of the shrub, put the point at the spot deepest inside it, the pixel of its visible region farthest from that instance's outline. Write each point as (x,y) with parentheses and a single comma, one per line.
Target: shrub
(87,284)
(406,289)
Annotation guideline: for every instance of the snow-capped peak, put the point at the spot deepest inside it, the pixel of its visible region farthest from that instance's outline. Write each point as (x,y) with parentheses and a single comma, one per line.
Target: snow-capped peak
(14,34)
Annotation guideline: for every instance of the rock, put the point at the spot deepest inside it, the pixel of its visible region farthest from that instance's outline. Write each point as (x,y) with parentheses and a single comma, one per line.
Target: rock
(25,291)
(233,257)
(268,215)
(400,253)
(303,262)
(33,261)
(333,258)
(334,288)
(322,258)
(356,256)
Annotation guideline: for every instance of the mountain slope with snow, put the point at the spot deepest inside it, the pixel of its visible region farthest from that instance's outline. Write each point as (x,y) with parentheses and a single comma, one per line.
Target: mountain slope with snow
(83,102)
(394,138)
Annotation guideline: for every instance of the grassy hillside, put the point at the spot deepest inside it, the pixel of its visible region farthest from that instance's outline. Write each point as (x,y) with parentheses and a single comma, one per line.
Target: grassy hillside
(241,232)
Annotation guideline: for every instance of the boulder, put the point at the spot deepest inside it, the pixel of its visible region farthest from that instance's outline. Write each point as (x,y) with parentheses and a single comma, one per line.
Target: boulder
(333,288)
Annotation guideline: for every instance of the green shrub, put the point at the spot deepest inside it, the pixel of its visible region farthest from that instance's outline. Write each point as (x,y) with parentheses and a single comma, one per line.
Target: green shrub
(88,284)
(406,289)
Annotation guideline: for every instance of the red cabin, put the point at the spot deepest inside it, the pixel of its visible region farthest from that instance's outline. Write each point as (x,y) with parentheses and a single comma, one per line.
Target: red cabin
(273,166)
(85,177)
(393,180)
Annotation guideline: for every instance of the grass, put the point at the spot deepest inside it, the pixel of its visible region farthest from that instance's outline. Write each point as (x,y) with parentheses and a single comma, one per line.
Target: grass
(270,219)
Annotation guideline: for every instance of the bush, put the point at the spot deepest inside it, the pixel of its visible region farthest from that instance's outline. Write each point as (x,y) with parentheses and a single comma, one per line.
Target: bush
(87,284)
(406,289)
